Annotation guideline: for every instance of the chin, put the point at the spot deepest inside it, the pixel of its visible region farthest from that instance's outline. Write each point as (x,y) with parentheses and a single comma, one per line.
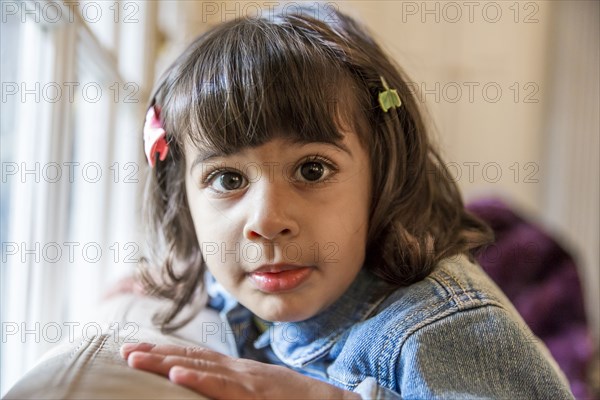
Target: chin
(283,315)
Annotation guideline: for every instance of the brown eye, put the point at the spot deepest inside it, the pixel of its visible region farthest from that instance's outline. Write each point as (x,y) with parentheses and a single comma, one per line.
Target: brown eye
(312,171)
(231,181)
(225,181)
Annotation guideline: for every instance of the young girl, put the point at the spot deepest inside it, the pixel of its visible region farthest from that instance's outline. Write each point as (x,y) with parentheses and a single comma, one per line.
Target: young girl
(294,180)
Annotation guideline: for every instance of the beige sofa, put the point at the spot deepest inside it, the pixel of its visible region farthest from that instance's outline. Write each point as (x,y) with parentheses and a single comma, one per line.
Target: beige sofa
(92,368)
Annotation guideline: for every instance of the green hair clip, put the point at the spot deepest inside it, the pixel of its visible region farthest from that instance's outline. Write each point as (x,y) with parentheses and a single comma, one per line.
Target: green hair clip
(389,97)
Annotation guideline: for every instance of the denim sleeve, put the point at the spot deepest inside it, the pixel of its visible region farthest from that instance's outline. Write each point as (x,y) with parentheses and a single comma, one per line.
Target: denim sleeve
(484,352)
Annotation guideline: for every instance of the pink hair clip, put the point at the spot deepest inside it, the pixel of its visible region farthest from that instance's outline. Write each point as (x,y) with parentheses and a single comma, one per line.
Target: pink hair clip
(155,137)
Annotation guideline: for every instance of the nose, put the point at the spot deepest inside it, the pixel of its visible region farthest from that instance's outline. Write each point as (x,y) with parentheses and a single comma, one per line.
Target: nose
(271,214)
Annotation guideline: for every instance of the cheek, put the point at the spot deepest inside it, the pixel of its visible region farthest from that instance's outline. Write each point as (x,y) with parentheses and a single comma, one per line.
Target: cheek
(218,247)
(354,218)
(214,230)
(345,232)
(216,237)
(353,212)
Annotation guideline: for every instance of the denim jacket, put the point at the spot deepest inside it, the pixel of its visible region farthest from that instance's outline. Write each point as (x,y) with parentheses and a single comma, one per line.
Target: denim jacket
(452,335)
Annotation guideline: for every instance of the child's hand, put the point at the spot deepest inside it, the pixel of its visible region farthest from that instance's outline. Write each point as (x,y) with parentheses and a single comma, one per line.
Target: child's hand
(222,377)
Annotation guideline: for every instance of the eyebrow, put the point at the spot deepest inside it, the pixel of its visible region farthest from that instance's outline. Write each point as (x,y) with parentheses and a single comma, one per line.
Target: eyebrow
(206,155)
(335,143)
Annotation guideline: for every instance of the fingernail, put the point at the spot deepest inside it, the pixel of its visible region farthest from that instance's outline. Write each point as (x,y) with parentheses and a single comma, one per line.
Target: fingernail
(178,373)
(128,348)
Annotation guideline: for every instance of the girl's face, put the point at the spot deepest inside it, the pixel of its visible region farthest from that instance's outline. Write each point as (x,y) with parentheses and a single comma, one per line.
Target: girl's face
(282,226)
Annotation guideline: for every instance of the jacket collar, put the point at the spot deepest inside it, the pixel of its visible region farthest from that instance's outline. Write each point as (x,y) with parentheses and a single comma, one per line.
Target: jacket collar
(299,343)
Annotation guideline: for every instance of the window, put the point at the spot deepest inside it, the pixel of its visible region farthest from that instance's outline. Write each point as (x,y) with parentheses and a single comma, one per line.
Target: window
(71,112)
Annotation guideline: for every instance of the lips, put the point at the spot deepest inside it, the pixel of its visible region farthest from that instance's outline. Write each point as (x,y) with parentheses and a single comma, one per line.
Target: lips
(279,277)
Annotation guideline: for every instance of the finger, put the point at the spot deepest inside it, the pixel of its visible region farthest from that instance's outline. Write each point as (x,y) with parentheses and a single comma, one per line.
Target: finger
(161,364)
(166,349)
(210,384)
(128,348)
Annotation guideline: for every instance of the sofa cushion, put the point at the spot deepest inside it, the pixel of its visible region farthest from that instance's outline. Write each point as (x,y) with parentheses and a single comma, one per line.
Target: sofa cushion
(92,367)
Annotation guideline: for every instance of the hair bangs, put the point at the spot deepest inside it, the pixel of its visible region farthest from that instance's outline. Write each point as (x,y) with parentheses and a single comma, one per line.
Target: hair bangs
(254,81)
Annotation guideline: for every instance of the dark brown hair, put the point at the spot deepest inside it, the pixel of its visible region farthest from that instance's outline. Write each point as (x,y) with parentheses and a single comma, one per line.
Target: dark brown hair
(304,74)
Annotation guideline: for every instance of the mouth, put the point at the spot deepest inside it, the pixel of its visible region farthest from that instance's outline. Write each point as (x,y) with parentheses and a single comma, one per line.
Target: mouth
(279,277)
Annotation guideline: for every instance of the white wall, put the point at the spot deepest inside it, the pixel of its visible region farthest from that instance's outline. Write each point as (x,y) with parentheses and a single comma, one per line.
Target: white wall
(571,193)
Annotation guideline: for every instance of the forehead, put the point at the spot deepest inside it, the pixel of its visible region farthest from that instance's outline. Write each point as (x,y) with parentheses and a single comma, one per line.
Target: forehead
(195,154)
